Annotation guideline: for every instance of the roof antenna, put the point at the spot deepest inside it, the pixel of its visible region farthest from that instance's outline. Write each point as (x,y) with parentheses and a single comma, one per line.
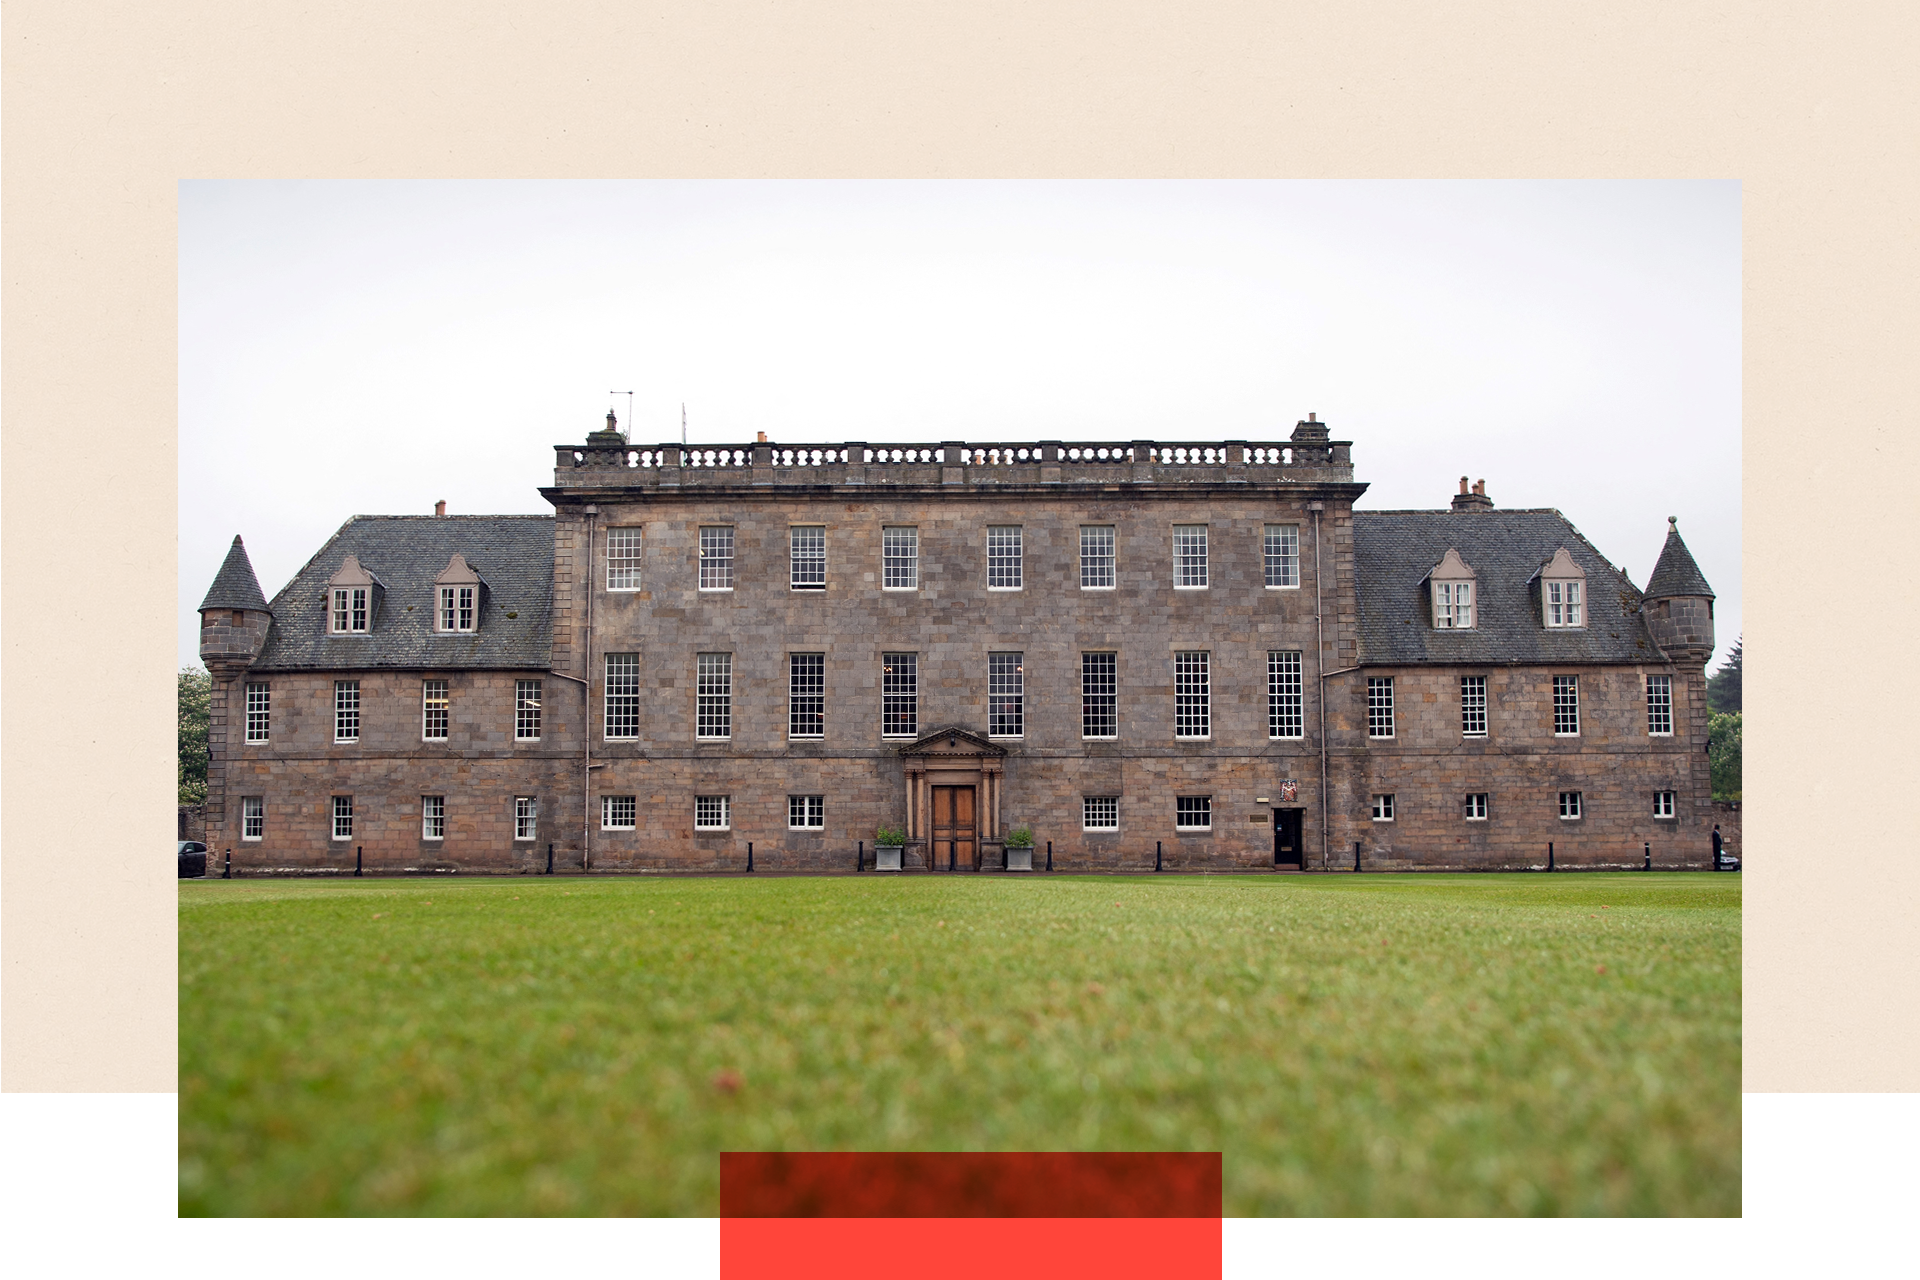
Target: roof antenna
(683,423)
(629,396)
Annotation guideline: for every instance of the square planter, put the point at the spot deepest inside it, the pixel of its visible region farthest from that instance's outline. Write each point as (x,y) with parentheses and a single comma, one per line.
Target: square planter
(886,857)
(1019,859)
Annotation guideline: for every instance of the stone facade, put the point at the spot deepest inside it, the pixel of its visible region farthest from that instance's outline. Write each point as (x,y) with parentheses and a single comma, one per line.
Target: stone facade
(726,642)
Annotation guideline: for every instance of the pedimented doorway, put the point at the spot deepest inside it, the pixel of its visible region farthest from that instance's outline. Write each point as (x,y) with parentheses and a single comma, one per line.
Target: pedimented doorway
(953,782)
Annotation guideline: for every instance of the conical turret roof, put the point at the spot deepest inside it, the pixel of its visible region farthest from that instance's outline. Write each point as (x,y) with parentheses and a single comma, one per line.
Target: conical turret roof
(235,587)
(1676,574)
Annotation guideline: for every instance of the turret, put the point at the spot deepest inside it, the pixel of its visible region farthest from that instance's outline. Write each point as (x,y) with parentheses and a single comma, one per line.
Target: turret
(1679,603)
(234,617)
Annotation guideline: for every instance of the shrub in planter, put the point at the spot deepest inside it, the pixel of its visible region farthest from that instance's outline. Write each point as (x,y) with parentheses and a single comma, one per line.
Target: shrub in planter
(887,852)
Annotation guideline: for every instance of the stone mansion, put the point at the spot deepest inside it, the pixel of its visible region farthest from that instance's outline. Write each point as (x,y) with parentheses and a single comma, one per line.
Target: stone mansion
(1200,653)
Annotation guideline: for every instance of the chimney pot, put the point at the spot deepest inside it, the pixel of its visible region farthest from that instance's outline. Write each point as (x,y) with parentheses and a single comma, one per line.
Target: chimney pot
(1311,417)
(1479,486)
(440,507)
(1463,484)
(762,435)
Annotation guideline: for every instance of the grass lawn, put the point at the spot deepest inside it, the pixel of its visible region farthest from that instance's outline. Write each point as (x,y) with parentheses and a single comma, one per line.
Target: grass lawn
(1411,1044)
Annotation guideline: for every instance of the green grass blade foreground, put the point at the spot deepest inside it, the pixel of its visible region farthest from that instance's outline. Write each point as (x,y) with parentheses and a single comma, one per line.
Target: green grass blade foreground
(1352,1044)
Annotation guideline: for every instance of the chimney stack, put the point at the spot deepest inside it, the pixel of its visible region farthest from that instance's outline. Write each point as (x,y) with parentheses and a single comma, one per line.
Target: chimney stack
(1474,499)
(440,507)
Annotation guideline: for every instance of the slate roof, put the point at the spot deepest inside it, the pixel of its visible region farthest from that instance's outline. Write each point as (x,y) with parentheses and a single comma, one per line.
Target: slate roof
(512,554)
(235,587)
(1677,574)
(1395,550)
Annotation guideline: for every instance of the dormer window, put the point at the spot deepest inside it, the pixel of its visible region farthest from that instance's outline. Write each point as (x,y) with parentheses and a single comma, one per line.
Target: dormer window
(459,596)
(1452,583)
(456,608)
(349,610)
(1563,592)
(353,599)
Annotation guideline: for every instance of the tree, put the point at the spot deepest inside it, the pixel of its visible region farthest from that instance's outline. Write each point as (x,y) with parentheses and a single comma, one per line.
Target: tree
(196,708)
(1723,686)
(1723,754)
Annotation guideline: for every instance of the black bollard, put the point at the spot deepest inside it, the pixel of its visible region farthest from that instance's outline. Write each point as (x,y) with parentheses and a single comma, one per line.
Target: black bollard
(549,857)
(1156,855)
(749,855)
(1356,855)
(860,856)
(1549,855)
(1049,855)
(357,851)
(1648,847)
(228,873)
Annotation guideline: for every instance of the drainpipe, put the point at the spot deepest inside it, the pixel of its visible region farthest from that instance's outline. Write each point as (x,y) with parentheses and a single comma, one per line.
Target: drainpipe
(1320,668)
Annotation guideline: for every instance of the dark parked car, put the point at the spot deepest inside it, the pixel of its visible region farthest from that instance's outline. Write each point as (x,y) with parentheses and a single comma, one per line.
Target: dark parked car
(193,858)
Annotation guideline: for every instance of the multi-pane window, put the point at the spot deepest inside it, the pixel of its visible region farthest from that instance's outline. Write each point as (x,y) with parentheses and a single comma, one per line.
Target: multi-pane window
(711,813)
(899,694)
(623,695)
(1192,813)
(900,558)
(1383,808)
(433,817)
(1453,605)
(1563,603)
(1006,695)
(807,695)
(1003,557)
(346,711)
(1379,706)
(1284,711)
(1476,806)
(1663,804)
(1096,557)
(714,708)
(456,608)
(1100,813)
(1473,706)
(1192,699)
(623,559)
(1099,695)
(259,711)
(526,710)
(809,543)
(1282,545)
(1569,804)
(343,817)
(1566,705)
(806,813)
(716,557)
(433,710)
(1189,555)
(253,817)
(526,817)
(349,613)
(1660,705)
(617,813)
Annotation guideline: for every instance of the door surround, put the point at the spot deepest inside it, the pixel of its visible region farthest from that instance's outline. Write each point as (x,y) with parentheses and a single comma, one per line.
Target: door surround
(953,757)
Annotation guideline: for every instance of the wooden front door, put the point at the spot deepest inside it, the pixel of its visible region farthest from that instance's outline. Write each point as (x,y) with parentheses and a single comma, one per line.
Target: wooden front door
(954,845)
(1287,850)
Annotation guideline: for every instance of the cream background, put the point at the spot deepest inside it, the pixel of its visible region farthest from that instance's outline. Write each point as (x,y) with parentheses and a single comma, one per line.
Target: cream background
(107,106)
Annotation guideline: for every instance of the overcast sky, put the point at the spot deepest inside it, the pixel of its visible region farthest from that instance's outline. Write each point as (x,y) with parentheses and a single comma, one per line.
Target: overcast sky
(369,347)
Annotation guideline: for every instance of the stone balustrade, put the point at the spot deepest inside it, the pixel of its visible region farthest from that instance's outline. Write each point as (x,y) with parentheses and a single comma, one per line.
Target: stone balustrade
(1047,462)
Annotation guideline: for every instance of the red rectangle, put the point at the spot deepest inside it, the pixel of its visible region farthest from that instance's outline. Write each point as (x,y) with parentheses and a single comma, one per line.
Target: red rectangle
(970,1184)
(969,1248)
